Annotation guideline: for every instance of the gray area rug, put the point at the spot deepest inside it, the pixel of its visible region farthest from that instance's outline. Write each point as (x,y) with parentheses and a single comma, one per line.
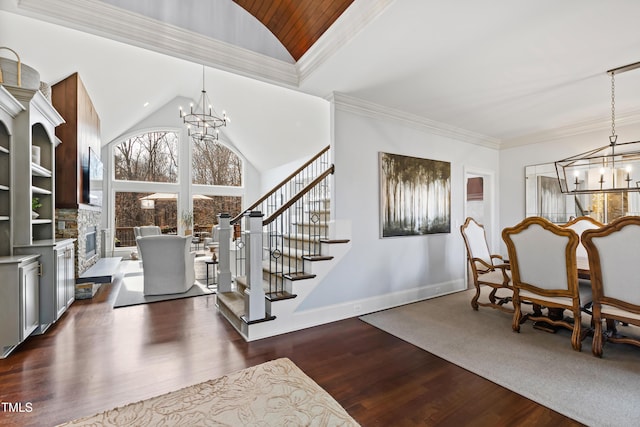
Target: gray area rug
(538,365)
(132,284)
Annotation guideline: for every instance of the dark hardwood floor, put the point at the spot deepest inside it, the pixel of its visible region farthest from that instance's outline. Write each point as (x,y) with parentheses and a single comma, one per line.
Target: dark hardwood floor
(96,358)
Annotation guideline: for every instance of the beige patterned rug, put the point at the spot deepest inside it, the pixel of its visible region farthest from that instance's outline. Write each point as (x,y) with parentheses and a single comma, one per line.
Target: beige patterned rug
(274,393)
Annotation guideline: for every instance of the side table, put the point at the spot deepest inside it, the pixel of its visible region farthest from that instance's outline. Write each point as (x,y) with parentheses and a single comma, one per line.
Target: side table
(214,274)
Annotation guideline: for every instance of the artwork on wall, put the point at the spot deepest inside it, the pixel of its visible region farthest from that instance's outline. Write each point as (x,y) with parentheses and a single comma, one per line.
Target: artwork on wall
(415,196)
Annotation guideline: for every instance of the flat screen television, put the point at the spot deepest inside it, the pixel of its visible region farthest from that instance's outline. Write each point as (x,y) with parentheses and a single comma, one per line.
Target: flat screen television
(93,180)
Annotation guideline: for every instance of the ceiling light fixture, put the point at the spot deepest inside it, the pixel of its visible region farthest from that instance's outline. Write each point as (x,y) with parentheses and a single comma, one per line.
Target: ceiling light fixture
(605,169)
(202,121)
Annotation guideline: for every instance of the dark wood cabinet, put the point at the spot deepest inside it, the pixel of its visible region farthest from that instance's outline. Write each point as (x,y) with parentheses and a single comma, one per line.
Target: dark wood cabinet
(80,132)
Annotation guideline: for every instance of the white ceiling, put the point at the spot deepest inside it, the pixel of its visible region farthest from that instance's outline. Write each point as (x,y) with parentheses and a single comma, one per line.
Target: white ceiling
(510,71)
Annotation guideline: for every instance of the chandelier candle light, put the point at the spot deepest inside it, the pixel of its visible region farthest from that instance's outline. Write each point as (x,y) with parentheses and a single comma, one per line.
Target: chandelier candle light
(203,123)
(605,169)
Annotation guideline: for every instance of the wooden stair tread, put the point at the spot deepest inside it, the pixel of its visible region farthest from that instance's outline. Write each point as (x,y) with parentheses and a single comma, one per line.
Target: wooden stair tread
(299,276)
(334,241)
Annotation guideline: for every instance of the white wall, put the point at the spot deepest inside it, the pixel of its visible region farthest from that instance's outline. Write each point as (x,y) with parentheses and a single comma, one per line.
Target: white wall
(379,272)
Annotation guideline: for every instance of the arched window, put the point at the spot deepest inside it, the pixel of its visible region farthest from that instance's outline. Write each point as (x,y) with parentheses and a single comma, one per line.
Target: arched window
(151,178)
(151,157)
(215,164)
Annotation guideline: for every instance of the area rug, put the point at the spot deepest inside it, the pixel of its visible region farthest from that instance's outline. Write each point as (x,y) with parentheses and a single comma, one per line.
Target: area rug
(538,365)
(275,393)
(131,285)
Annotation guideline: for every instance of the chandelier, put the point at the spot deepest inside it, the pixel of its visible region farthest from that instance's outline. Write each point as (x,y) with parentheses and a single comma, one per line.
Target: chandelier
(202,121)
(612,168)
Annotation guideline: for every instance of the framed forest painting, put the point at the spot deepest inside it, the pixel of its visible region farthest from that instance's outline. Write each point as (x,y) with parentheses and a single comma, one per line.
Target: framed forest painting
(415,196)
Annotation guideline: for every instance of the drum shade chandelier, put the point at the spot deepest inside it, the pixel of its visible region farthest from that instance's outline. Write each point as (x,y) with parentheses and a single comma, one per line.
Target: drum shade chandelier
(203,123)
(612,168)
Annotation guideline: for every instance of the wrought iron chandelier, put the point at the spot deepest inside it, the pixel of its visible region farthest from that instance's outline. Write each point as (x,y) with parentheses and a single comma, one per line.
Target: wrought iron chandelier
(612,168)
(203,123)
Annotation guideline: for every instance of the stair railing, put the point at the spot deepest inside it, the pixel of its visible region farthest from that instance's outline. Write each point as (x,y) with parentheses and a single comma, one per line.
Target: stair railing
(296,218)
(295,231)
(285,189)
(275,198)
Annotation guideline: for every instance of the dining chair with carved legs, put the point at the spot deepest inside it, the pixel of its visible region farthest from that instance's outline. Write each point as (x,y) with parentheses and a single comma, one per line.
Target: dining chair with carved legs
(613,251)
(487,269)
(544,273)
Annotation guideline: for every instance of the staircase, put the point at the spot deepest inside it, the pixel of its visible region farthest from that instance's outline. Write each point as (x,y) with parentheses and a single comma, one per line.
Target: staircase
(283,246)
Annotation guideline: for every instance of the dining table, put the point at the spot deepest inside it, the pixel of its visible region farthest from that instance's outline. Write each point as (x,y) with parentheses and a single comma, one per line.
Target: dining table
(582,264)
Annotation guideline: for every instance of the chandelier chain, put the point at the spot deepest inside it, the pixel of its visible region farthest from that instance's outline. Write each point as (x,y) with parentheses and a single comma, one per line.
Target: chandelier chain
(613,104)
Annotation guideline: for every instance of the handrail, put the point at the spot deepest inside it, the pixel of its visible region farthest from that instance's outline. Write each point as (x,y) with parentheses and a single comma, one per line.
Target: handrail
(280,184)
(298,196)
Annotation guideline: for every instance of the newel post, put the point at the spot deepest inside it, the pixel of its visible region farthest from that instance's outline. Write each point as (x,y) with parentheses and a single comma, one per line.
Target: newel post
(254,302)
(224,252)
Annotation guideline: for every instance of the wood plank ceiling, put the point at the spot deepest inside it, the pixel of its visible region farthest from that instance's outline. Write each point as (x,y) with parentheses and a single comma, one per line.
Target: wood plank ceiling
(298,24)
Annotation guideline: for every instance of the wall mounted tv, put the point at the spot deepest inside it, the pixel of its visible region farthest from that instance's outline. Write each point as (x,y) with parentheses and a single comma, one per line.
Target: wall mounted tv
(92,180)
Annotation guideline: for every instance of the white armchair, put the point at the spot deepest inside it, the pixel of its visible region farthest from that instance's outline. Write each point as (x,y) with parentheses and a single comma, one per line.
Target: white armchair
(143,231)
(146,230)
(167,264)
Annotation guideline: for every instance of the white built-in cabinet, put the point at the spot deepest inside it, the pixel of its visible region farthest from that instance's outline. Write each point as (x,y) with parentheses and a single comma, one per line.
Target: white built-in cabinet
(19,300)
(39,291)
(57,289)
(10,108)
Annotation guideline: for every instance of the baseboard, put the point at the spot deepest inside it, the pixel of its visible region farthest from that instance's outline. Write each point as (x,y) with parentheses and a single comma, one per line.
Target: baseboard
(319,316)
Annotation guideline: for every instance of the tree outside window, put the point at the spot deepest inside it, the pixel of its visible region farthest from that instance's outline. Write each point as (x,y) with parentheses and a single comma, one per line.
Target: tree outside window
(150,157)
(215,164)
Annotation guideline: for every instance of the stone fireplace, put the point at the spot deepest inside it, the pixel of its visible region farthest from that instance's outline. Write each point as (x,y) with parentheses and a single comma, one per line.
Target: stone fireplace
(82,224)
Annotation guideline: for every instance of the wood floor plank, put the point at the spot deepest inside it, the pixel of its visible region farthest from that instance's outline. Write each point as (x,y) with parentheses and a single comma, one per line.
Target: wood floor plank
(96,358)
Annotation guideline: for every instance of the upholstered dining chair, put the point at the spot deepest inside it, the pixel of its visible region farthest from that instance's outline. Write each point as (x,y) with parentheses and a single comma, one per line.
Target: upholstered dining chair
(613,251)
(580,225)
(484,268)
(167,264)
(544,272)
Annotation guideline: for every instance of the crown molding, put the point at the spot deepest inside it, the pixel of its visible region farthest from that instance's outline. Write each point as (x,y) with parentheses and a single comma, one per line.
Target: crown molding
(101,19)
(45,108)
(576,129)
(376,111)
(9,103)
(347,26)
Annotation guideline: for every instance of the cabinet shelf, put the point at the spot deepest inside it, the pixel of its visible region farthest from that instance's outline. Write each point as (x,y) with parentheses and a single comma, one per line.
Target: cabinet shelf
(40,221)
(38,170)
(4,150)
(38,190)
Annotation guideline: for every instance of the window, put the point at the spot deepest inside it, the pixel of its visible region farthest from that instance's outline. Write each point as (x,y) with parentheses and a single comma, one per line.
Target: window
(151,157)
(135,209)
(207,208)
(215,164)
(152,177)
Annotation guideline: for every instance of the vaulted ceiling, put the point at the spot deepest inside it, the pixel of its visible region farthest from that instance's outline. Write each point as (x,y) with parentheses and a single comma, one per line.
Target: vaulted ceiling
(298,24)
(500,71)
